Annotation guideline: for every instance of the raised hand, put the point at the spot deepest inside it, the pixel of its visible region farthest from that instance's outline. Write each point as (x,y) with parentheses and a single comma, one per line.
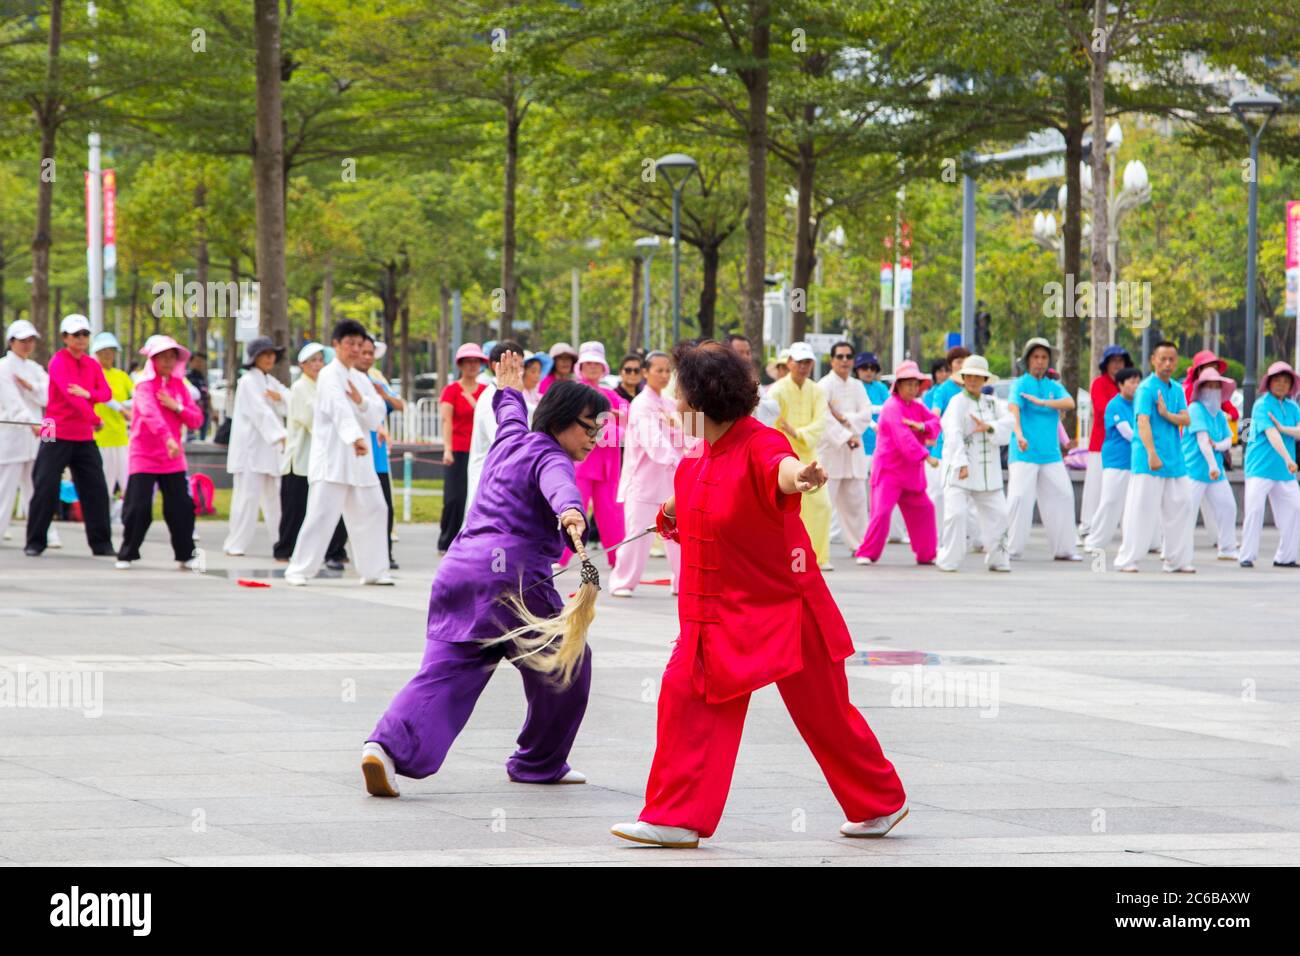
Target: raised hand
(353,393)
(811,477)
(510,371)
(981,425)
(167,402)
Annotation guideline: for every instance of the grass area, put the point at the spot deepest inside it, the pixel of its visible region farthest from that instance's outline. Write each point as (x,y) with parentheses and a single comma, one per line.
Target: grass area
(425,509)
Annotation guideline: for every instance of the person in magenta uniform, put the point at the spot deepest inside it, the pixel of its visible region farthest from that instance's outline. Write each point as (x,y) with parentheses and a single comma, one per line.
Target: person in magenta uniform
(750,616)
(1271,467)
(655,444)
(162,404)
(1205,441)
(1100,393)
(905,431)
(510,538)
(1116,460)
(599,472)
(1036,471)
(456,404)
(77,383)
(1159,491)
(563,356)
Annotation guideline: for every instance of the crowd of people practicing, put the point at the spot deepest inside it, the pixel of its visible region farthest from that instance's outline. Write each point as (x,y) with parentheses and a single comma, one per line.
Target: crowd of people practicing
(745,485)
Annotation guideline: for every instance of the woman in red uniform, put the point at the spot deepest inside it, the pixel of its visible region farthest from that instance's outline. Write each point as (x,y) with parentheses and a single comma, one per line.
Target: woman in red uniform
(753,610)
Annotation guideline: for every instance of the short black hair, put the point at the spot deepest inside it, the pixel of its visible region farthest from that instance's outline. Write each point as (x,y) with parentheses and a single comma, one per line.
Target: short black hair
(714,379)
(502,347)
(347,327)
(1163,344)
(738,337)
(564,403)
(632,356)
(939,365)
(1126,373)
(842,345)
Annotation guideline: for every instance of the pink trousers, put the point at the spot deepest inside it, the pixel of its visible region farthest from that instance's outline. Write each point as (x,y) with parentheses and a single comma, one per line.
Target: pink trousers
(918,515)
(598,496)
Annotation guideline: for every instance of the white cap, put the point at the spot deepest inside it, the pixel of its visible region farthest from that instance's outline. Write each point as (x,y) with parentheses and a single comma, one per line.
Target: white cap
(74,323)
(20,329)
(380,349)
(308,350)
(801,352)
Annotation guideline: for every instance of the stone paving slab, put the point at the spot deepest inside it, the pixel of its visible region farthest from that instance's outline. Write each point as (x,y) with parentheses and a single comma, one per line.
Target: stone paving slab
(1075,718)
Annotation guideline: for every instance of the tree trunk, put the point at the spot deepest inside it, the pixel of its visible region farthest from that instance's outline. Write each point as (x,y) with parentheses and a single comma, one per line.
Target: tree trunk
(201,264)
(313,316)
(4,264)
(135,301)
(389,317)
(1101,299)
(404,357)
(1072,240)
(805,237)
(709,296)
(634,335)
(268,170)
(444,338)
(756,82)
(327,298)
(48,120)
(513,120)
(232,347)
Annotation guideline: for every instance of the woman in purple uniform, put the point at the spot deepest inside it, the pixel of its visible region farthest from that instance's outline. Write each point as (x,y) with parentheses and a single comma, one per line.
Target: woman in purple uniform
(526,503)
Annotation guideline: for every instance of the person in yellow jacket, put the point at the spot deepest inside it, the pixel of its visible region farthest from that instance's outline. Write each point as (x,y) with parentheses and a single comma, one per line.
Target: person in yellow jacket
(802,419)
(114,416)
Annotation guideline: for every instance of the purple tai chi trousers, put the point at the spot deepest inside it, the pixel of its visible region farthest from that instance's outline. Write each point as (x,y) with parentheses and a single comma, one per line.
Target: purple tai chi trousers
(424,718)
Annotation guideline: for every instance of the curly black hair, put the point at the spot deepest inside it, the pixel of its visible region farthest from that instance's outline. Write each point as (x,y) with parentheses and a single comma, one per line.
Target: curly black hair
(715,380)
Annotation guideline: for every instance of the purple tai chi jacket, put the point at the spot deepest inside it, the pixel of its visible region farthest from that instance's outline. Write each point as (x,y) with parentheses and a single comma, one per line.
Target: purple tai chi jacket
(510,536)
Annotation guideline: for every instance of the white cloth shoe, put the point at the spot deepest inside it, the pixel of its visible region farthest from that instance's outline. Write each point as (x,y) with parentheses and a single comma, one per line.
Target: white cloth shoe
(676,838)
(377,768)
(827,566)
(122,565)
(384,579)
(874,828)
(295,580)
(621,592)
(863,561)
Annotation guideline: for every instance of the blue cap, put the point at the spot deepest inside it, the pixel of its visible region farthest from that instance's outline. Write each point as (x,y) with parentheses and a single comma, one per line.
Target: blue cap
(864,359)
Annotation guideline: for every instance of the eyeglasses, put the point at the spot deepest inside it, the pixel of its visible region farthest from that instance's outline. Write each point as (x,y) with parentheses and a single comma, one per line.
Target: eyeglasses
(632,370)
(591,430)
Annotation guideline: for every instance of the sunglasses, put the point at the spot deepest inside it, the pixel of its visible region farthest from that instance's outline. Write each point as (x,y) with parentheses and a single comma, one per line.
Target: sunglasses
(843,357)
(632,370)
(78,335)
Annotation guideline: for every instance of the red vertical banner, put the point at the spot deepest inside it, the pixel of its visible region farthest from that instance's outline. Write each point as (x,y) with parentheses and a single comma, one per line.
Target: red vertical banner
(1293,262)
(110,234)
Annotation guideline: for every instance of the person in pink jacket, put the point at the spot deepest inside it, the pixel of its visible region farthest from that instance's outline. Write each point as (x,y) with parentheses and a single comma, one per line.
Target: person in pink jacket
(653,445)
(156,455)
(906,430)
(599,473)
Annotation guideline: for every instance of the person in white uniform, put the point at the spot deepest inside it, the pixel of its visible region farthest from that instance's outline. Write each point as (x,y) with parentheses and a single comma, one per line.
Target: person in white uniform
(257,441)
(24,387)
(340,473)
(974,431)
(485,421)
(840,450)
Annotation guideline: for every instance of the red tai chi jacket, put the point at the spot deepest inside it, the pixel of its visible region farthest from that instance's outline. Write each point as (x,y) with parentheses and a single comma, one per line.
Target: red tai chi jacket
(749,572)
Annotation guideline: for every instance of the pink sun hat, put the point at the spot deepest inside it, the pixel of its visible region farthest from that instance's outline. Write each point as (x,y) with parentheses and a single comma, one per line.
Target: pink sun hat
(470,350)
(1210,375)
(593,352)
(162,343)
(906,370)
(1279,368)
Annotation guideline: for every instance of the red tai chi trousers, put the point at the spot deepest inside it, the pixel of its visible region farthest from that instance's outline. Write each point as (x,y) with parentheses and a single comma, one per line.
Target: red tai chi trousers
(695,753)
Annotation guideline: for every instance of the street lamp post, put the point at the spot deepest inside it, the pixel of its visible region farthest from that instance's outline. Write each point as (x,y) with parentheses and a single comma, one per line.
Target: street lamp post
(650,243)
(677,168)
(1263,105)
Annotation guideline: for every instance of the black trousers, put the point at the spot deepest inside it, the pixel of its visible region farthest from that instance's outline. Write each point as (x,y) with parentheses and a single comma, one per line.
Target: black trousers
(455,486)
(137,514)
(293,508)
(83,459)
(387,486)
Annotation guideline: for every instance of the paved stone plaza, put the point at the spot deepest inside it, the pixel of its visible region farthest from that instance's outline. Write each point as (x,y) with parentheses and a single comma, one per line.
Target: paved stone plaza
(1058,716)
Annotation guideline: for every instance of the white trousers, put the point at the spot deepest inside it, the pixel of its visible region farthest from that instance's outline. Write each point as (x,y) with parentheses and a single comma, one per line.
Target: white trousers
(11,475)
(1216,497)
(630,559)
(994,517)
(253,489)
(1163,501)
(1092,479)
(1049,486)
(848,497)
(1112,491)
(365,516)
(116,467)
(1284,496)
(934,491)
